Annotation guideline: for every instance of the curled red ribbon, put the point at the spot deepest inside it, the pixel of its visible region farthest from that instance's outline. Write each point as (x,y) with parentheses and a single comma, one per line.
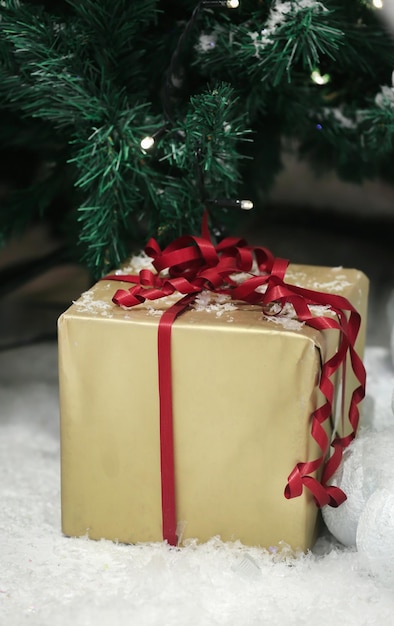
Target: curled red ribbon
(192,264)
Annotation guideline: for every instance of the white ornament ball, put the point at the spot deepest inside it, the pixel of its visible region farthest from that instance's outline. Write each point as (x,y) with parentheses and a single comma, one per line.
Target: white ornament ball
(375,535)
(366,467)
(342,521)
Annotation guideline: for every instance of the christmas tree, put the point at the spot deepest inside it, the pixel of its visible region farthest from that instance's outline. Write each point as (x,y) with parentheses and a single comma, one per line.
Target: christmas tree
(134,116)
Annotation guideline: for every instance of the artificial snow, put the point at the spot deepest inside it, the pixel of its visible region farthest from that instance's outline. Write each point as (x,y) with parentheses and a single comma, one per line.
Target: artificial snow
(137,263)
(338,283)
(47,579)
(284,316)
(213,302)
(88,304)
(206,42)
(277,18)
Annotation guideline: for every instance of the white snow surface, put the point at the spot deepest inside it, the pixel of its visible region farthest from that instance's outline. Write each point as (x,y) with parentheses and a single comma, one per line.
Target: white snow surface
(49,579)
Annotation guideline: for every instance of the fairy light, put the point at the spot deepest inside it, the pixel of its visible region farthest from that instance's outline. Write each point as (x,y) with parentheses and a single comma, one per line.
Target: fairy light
(320,79)
(229,4)
(231,203)
(378,4)
(147,143)
(246,205)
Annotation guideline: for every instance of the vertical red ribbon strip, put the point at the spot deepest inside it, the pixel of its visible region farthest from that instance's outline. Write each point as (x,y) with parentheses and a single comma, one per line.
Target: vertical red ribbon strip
(167,463)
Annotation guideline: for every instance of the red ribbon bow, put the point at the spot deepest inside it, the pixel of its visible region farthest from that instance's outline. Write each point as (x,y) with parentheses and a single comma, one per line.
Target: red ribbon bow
(193,264)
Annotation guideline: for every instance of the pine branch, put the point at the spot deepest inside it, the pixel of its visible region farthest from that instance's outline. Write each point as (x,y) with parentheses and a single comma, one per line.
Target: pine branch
(112,174)
(269,46)
(378,123)
(118,57)
(88,77)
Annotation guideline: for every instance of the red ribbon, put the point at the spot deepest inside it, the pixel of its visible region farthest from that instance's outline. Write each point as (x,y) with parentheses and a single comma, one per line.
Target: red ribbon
(168,503)
(192,264)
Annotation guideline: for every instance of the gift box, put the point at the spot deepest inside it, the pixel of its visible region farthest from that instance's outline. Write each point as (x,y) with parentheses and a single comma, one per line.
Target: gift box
(244,384)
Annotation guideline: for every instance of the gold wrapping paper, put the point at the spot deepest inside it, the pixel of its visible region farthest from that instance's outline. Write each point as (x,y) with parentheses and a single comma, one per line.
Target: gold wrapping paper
(244,388)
